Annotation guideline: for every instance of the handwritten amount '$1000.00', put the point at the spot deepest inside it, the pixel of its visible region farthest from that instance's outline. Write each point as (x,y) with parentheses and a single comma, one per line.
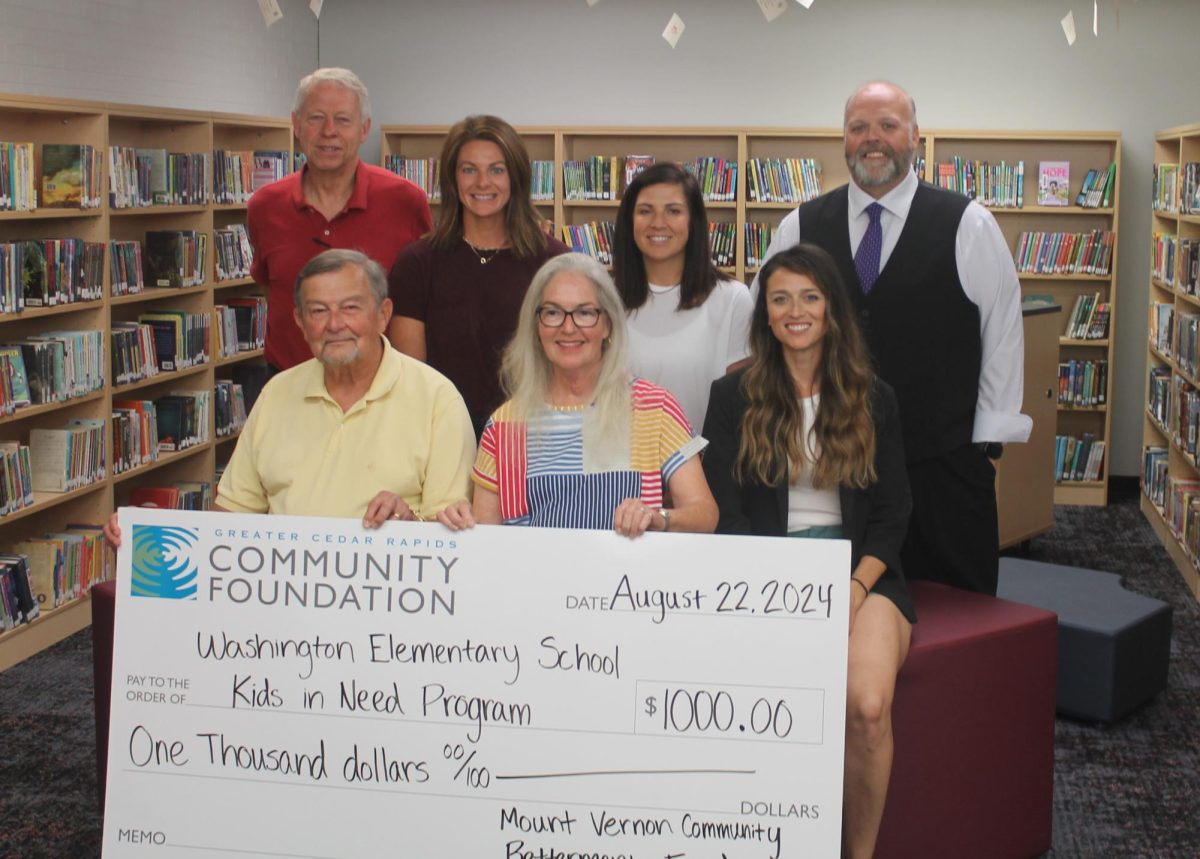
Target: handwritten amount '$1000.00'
(704,711)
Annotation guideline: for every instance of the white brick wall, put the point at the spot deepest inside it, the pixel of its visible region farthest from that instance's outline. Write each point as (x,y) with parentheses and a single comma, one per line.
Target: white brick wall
(196,54)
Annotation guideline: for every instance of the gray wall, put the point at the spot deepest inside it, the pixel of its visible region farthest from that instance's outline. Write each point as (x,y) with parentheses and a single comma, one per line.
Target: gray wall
(197,54)
(971,64)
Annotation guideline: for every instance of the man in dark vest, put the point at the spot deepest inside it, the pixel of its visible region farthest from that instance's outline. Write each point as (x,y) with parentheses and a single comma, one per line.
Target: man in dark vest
(935,283)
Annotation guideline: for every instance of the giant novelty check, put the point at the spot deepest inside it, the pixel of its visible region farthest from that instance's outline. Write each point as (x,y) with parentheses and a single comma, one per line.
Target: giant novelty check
(287,686)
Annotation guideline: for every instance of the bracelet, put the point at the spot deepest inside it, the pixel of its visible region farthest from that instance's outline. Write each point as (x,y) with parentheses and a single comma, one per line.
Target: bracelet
(666,514)
(858,581)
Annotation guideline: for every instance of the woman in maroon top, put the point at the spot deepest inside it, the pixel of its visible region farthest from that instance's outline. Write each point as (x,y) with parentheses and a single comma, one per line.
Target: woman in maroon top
(456,292)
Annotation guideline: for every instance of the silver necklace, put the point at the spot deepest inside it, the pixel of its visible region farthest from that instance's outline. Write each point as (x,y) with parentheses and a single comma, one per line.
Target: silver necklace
(486,255)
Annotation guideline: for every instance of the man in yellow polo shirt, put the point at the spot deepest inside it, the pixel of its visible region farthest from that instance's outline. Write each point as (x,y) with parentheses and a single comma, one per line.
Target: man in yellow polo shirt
(359,430)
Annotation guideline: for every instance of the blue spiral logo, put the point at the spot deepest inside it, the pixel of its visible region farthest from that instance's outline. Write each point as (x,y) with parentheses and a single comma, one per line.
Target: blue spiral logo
(162,566)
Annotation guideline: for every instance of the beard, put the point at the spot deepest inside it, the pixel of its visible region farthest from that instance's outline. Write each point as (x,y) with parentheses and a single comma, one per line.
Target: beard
(339,357)
(867,176)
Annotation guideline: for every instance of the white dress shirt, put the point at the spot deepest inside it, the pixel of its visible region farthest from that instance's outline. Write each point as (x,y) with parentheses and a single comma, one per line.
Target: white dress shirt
(989,280)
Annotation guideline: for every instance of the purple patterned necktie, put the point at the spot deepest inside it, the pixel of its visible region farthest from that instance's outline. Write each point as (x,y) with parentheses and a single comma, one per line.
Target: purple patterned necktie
(866,261)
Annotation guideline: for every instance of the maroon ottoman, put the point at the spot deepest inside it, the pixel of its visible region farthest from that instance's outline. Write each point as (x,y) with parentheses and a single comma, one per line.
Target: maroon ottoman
(973,718)
(104,604)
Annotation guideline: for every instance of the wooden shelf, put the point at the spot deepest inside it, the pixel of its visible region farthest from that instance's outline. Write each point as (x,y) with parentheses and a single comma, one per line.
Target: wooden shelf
(1048,210)
(1084,278)
(1174,146)
(43,501)
(46,120)
(119,391)
(46,408)
(164,458)
(51,627)
(237,281)
(145,211)
(56,310)
(239,357)
(157,293)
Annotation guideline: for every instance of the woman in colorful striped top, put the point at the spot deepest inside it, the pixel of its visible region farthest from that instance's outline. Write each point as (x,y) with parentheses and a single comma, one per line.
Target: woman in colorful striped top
(579,444)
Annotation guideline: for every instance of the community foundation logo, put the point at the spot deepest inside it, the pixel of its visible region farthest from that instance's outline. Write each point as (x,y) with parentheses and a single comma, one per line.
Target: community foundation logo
(162,563)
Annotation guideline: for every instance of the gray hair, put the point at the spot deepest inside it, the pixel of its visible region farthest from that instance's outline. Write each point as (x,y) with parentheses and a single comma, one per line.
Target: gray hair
(525,371)
(338,259)
(334,75)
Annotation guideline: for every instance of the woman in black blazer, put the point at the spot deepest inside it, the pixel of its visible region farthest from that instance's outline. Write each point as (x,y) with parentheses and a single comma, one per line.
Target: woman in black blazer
(805,442)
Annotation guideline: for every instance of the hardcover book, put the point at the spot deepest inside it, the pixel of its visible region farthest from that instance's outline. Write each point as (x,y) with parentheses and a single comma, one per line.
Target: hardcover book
(1054,183)
(62,176)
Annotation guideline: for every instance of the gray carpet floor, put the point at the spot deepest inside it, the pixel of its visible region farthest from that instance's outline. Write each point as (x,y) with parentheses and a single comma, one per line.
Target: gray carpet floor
(1125,790)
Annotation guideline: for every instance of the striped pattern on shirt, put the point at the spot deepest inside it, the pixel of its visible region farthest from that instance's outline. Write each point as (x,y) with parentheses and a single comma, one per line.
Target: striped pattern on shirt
(545,484)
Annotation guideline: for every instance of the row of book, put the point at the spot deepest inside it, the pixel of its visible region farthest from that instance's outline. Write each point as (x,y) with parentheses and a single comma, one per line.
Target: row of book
(135,434)
(717,177)
(17,603)
(125,272)
(16,477)
(541,186)
(1042,252)
(1082,383)
(783,180)
(594,178)
(159,341)
(229,407)
(1176,262)
(758,240)
(1178,498)
(1098,187)
(1164,188)
(133,352)
(140,177)
(594,239)
(181,495)
(49,272)
(1182,421)
(1189,199)
(1089,318)
(1000,186)
(1187,342)
(234,255)
(1162,327)
(1078,458)
(65,458)
(41,574)
(181,338)
(241,325)
(1187,267)
(237,174)
(722,242)
(18,177)
(54,366)
(422,172)
(1158,395)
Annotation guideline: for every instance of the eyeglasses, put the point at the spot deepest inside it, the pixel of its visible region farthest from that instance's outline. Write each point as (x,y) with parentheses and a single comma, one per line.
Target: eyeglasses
(554,317)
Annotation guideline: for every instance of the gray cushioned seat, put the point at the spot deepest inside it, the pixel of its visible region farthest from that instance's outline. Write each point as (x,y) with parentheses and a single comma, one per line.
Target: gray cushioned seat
(1113,645)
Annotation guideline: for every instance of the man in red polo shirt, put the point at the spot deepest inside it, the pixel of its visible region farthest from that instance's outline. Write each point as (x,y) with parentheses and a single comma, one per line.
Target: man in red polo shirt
(335,201)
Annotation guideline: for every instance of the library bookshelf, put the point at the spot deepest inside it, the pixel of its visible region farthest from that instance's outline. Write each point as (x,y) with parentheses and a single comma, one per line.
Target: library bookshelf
(101,125)
(1083,150)
(1171,476)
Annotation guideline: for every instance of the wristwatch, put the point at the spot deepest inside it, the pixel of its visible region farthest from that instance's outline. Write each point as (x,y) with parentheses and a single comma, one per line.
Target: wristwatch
(990,449)
(666,514)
